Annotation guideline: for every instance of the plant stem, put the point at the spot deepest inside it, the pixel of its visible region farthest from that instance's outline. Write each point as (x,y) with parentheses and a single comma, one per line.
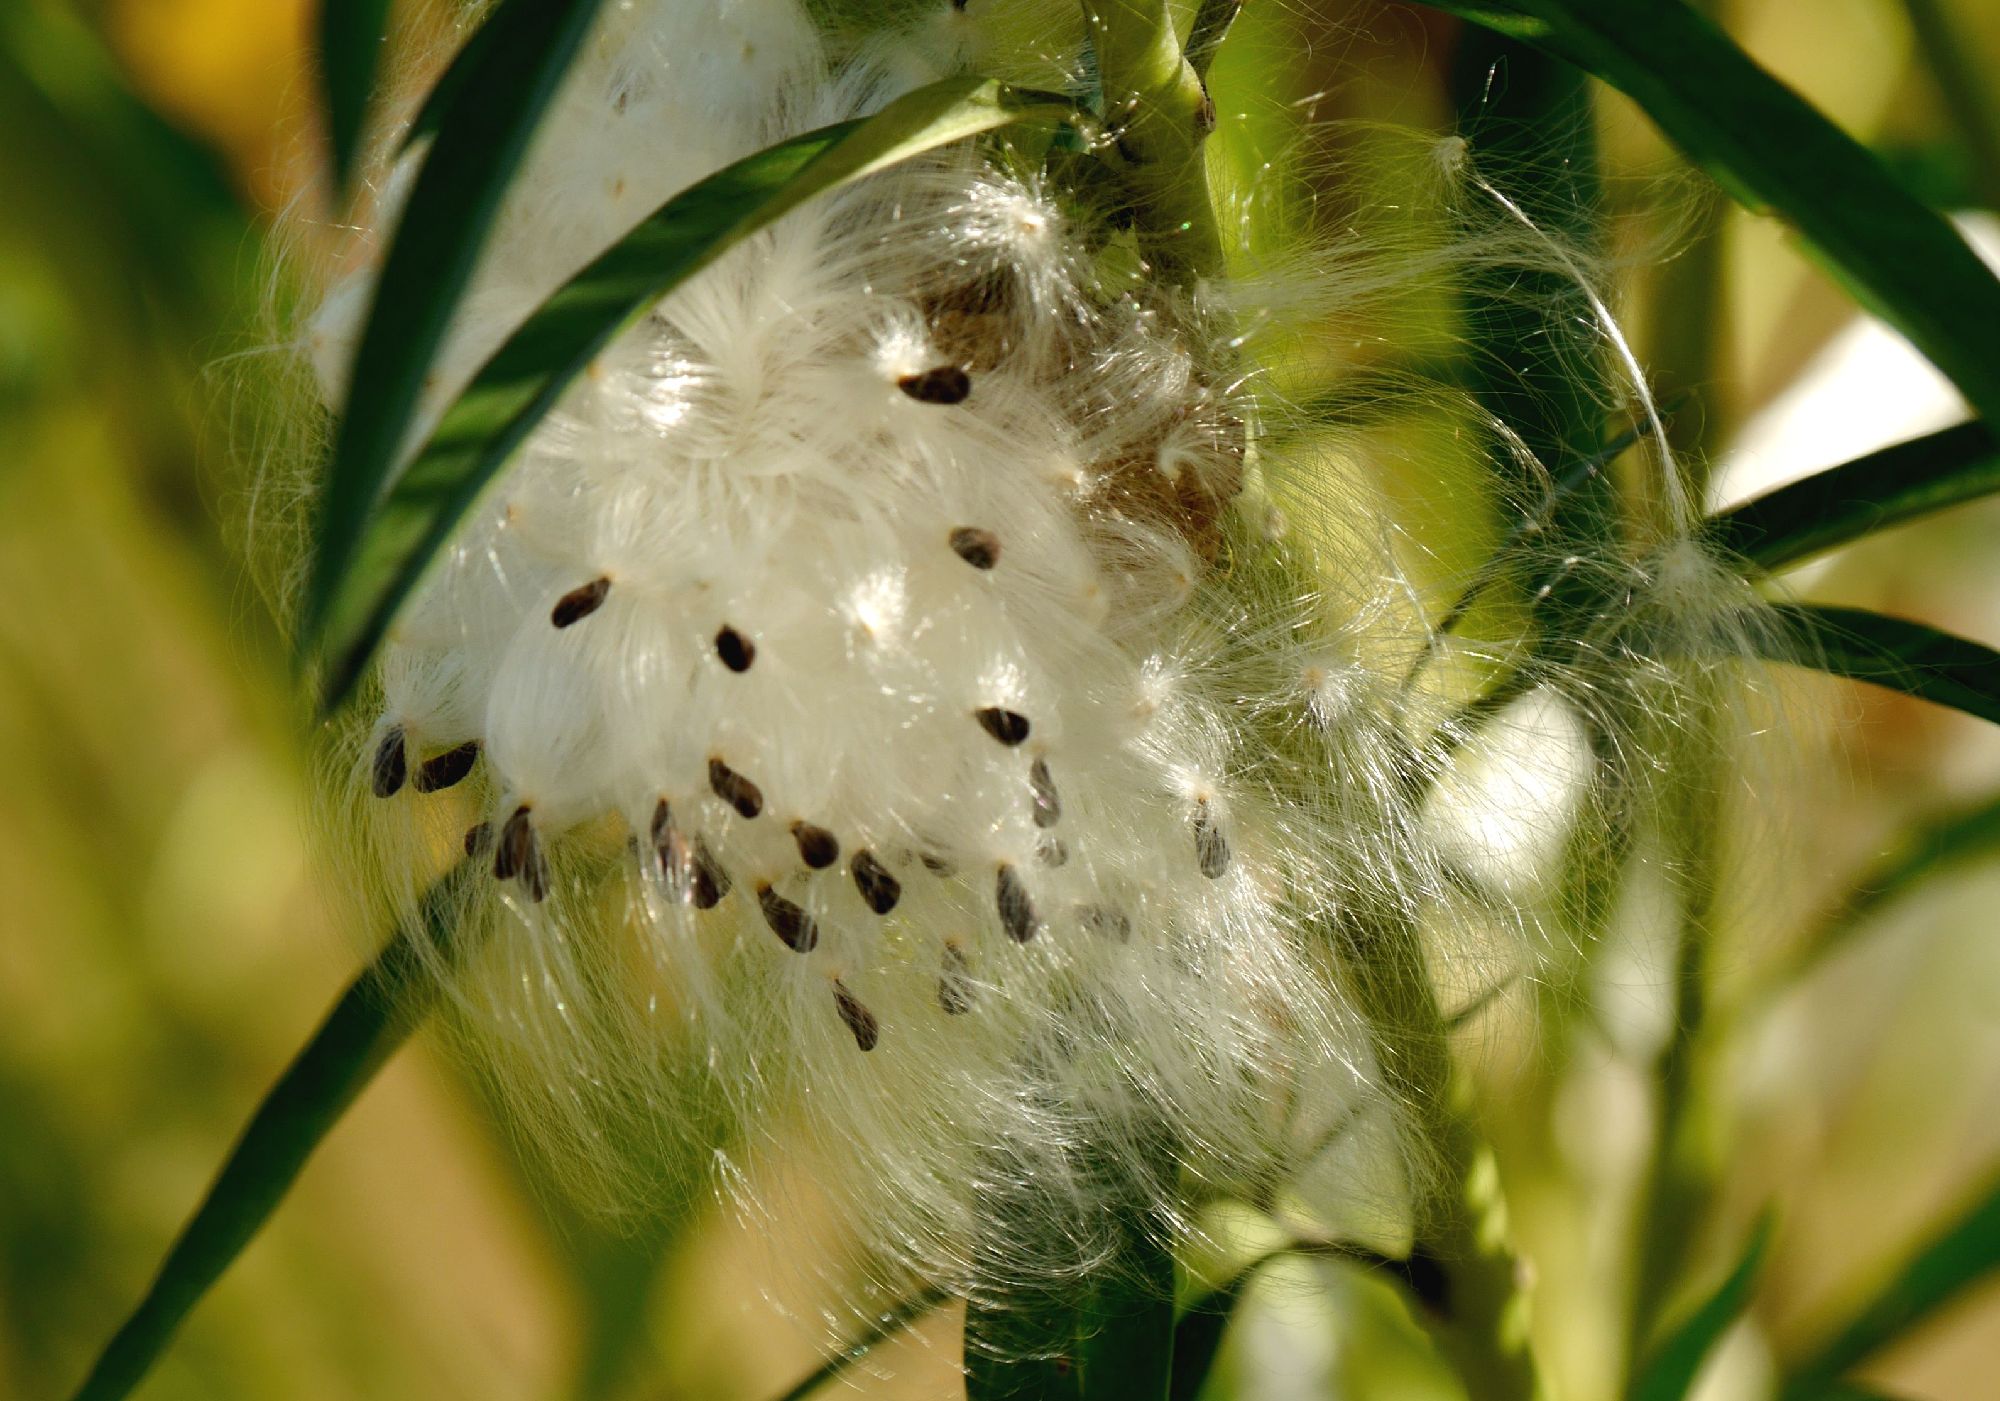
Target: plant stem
(1963,92)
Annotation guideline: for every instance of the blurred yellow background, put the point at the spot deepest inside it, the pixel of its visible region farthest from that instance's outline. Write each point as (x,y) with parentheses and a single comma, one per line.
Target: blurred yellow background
(166,943)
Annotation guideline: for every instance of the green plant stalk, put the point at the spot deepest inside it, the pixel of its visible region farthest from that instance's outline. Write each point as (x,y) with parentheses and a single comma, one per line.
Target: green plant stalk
(371,1020)
(1963,91)
(1158,108)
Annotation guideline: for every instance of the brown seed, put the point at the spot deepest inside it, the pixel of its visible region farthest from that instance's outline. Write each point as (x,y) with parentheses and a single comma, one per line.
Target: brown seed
(1048,802)
(1211,847)
(978,548)
(711,882)
(859,1019)
(787,920)
(937,865)
(391,764)
(1010,727)
(1051,851)
(818,848)
(580,602)
(942,384)
(675,853)
(441,771)
(878,887)
(736,650)
(1017,910)
(734,789)
(1111,922)
(478,837)
(954,989)
(518,853)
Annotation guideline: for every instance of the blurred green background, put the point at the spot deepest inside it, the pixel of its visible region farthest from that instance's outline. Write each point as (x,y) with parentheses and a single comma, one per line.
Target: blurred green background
(166,940)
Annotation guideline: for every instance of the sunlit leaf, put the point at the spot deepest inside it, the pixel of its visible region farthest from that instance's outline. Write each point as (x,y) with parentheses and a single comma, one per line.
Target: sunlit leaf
(528,375)
(1669,1372)
(372,1018)
(1772,151)
(1871,493)
(351,34)
(1963,1253)
(443,229)
(1905,656)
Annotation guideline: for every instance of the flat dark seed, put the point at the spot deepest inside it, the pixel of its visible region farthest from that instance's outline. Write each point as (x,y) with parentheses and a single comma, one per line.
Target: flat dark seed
(736,650)
(478,837)
(954,989)
(1017,911)
(734,789)
(818,848)
(942,384)
(878,888)
(1111,922)
(535,874)
(859,1019)
(1051,851)
(391,764)
(670,844)
(978,548)
(1211,847)
(1010,727)
(580,602)
(711,882)
(441,771)
(1048,802)
(787,921)
(938,865)
(517,839)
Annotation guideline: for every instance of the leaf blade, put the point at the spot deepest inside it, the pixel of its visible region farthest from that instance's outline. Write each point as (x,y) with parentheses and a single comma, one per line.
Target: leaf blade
(527,376)
(1897,653)
(443,230)
(1669,1373)
(351,33)
(1873,492)
(1773,151)
(373,1017)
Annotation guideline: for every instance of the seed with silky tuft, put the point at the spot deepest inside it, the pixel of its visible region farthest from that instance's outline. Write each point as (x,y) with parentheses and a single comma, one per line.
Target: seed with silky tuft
(519,853)
(942,384)
(1010,727)
(790,923)
(978,548)
(441,771)
(818,848)
(736,650)
(478,837)
(954,989)
(391,764)
(580,602)
(1108,920)
(859,1019)
(734,789)
(1211,847)
(1048,802)
(1017,910)
(878,887)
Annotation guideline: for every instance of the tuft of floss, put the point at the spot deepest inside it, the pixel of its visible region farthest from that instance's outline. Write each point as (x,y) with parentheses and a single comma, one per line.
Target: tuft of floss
(869,713)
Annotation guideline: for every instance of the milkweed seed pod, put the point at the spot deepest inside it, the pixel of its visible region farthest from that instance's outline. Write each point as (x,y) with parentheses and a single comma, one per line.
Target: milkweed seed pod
(921,696)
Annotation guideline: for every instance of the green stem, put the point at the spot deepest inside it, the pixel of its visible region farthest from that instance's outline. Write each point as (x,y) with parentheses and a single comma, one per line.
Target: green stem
(373,1017)
(1156,104)
(1963,91)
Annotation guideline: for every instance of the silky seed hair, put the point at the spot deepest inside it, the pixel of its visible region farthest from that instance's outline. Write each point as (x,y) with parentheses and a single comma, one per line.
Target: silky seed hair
(933,699)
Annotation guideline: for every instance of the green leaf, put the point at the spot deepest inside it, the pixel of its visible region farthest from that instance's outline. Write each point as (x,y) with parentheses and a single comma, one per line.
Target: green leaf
(1198,1333)
(887,1326)
(1772,150)
(528,375)
(1110,1337)
(1962,1253)
(1905,656)
(1669,1373)
(444,227)
(444,92)
(351,34)
(1871,493)
(372,1018)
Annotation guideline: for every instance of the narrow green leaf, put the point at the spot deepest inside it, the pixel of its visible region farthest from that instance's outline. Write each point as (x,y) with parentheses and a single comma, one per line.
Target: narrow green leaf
(444,92)
(887,1326)
(1669,1373)
(1210,26)
(1198,1333)
(1871,493)
(1905,656)
(1962,1253)
(528,375)
(351,34)
(438,241)
(372,1018)
(1772,150)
